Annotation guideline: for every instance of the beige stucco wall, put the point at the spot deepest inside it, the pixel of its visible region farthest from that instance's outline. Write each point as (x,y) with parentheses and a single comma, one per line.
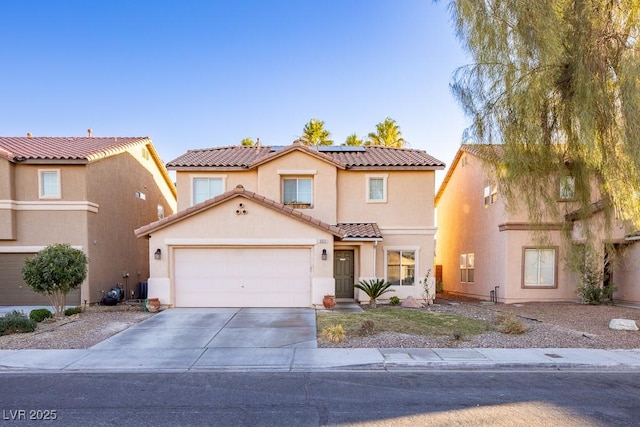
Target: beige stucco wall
(114,250)
(7,194)
(246,178)
(297,164)
(220,226)
(626,275)
(409,198)
(465,225)
(72,181)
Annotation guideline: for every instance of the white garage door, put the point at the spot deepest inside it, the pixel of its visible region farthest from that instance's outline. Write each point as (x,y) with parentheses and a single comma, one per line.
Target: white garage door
(242,277)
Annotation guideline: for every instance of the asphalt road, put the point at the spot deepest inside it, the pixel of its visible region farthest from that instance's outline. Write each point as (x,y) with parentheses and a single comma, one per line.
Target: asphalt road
(475,398)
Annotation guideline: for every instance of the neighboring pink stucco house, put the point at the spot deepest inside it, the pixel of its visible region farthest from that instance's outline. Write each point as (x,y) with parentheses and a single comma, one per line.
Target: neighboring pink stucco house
(486,251)
(90,192)
(283,226)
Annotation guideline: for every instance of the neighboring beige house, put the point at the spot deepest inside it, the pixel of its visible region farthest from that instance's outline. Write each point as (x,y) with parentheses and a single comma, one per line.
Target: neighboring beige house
(488,252)
(88,192)
(283,226)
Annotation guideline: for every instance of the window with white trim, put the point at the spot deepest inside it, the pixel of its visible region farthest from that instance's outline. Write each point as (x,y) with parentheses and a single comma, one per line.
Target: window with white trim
(297,191)
(467,268)
(160,211)
(401,267)
(49,183)
(567,187)
(206,188)
(490,195)
(377,188)
(539,267)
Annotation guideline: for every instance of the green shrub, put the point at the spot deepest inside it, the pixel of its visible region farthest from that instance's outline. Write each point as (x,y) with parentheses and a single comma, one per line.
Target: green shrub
(594,294)
(374,288)
(54,272)
(394,300)
(367,328)
(333,333)
(73,310)
(509,324)
(39,314)
(16,322)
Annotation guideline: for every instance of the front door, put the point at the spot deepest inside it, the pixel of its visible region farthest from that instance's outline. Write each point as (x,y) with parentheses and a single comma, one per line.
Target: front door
(343,273)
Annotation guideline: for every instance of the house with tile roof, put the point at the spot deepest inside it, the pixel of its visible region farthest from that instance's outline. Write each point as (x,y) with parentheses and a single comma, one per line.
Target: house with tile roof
(283,226)
(490,252)
(90,192)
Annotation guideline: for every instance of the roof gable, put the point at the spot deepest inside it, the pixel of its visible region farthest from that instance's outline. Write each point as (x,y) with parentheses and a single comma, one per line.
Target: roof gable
(297,146)
(239,191)
(19,149)
(74,149)
(477,150)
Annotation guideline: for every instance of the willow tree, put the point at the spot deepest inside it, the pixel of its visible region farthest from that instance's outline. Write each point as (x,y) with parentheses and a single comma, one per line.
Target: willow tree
(557,84)
(387,133)
(314,133)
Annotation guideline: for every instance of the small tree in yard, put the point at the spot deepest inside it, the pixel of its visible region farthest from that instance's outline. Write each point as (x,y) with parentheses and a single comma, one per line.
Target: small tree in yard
(55,271)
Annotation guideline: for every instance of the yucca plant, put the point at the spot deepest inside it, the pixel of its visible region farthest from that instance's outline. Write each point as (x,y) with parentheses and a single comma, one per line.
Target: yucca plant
(374,288)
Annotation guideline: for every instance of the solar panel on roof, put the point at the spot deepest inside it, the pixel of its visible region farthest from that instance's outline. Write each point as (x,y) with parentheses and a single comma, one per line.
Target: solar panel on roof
(339,148)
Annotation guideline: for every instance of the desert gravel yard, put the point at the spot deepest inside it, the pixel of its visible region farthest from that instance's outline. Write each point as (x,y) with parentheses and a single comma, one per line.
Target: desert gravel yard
(84,330)
(569,325)
(549,325)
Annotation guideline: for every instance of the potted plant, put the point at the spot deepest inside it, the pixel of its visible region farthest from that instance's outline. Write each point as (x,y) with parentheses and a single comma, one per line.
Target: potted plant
(329,301)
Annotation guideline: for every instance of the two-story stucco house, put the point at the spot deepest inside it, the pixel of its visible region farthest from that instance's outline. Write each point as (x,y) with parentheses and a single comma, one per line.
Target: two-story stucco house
(486,250)
(283,226)
(90,192)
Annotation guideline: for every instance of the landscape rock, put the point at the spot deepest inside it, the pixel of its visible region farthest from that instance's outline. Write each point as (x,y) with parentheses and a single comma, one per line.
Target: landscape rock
(623,325)
(411,302)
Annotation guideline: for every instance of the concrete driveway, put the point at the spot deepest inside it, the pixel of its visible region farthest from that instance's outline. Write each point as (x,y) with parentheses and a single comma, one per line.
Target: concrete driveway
(198,328)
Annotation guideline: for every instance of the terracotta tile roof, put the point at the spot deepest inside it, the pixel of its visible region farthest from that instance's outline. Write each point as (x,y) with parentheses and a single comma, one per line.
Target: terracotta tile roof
(249,157)
(63,148)
(363,230)
(377,156)
(236,156)
(239,191)
(297,146)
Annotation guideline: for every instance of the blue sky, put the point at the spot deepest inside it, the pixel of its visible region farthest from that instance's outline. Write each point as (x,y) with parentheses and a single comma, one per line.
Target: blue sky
(194,74)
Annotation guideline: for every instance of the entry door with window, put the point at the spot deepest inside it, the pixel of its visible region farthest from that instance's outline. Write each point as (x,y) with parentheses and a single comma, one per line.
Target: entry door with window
(343,273)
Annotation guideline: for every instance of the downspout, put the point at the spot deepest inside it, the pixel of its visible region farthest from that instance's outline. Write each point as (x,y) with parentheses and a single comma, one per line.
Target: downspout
(375,250)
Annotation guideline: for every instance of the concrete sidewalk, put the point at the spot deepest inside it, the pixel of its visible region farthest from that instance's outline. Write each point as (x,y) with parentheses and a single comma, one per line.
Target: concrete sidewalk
(314,359)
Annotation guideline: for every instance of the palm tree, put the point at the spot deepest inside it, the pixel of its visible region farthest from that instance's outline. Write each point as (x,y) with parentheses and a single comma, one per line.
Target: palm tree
(374,288)
(353,141)
(247,142)
(387,134)
(314,133)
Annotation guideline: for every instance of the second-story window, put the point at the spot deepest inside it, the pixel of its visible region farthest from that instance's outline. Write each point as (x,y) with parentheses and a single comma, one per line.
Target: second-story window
(567,186)
(376,188)
(206,188)
(297,191)
(490,195)
(49,184)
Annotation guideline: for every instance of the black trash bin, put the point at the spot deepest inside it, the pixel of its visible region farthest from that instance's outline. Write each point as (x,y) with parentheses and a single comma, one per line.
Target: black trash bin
(142,290)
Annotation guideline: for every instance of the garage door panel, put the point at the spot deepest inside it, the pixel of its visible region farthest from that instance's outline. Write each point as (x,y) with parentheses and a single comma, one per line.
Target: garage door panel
(13,290)
(242,277)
